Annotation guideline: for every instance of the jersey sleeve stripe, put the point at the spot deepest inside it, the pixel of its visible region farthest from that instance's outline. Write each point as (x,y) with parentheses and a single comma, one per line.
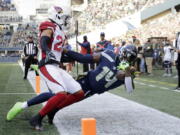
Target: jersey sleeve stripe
(107,56)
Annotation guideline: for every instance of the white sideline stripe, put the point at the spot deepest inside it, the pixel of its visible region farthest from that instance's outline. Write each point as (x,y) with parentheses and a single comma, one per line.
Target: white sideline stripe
(17,93)
(163,88)
(152,86)
(140,83)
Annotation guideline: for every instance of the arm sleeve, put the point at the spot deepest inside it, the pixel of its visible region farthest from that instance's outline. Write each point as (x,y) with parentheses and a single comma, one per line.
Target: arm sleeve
(80,58)
(25,50)
(45,40)
(36,51)
(66,59)
(85,45)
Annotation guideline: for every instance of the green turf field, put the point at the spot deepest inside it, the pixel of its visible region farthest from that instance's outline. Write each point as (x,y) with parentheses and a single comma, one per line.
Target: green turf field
(11,82)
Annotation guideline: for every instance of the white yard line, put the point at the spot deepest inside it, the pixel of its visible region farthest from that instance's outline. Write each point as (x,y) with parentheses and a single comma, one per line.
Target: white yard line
(152,86)
(17,93)
(155,86)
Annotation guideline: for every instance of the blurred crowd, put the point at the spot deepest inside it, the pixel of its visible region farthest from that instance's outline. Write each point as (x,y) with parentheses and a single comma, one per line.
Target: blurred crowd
(99,13)
(6,6)
(154,2)
(5,35)
(155,53)
(165,26)
(11,19)
(19,37)
(5,18)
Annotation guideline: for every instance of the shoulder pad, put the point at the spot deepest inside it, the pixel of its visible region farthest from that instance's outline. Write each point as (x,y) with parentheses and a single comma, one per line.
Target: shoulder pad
(47,25)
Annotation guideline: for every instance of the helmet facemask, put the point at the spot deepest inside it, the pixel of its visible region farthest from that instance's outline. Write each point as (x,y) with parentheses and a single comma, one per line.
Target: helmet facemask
(126,59)
(60,16)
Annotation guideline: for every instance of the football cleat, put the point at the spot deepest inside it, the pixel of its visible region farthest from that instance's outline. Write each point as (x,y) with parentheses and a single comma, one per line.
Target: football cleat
(51,116)
(50,119)
(35,67)
(36,122)
(15,110)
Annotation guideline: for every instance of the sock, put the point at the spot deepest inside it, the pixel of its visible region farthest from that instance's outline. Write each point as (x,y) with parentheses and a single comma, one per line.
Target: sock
(166,70)
(52,103)
(170,70)
(24,105)
(40,98)
(71,98)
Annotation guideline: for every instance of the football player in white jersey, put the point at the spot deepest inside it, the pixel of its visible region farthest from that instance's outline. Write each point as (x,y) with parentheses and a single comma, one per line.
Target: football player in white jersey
(52,39)
(167,60)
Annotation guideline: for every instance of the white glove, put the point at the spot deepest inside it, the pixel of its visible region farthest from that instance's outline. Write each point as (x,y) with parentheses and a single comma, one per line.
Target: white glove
(129,85)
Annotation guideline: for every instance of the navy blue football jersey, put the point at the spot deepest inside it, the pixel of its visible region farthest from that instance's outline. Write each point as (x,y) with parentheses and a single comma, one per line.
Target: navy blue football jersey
(103,78)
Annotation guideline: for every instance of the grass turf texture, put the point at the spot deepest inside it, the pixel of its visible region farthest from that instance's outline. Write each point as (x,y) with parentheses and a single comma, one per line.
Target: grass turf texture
(11,81)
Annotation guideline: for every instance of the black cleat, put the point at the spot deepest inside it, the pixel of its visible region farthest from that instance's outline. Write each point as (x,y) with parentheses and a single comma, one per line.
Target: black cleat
(51,116)
(177,88)
(36,123)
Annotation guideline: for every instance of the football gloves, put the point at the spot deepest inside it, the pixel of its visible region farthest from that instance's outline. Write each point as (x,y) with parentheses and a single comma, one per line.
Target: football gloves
(49,56)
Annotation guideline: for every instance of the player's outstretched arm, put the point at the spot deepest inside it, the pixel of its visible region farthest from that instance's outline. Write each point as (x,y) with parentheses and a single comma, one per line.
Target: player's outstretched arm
(82,58)
(128,72)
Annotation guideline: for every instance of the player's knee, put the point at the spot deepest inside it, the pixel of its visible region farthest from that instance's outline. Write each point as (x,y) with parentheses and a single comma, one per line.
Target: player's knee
(79,95)
(61,95)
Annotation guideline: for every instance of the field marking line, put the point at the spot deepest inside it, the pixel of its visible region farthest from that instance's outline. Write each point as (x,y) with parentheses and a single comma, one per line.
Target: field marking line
(17,93)
(140,83)
(152,81)
(163,88)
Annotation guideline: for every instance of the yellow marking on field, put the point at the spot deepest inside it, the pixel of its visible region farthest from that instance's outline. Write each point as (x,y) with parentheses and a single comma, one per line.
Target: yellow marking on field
(159,82)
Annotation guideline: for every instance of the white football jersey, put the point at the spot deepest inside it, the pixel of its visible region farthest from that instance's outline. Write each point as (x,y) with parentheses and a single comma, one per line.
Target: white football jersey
(167,53)
(57,40)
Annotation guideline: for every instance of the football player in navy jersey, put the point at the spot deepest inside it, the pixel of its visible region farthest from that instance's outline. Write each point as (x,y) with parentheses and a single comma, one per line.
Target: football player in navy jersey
(109,74)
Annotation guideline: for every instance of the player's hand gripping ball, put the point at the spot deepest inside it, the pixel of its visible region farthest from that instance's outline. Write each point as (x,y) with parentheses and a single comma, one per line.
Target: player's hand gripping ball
(123,65)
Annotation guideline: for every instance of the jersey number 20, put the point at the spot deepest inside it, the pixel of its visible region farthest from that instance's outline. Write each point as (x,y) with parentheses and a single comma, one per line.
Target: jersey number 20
(58,45)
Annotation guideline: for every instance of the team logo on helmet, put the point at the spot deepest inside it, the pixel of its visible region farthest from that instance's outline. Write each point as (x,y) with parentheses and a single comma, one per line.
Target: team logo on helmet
(58,9)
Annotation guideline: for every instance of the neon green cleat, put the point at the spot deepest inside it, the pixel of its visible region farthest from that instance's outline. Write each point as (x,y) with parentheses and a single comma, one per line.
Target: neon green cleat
(35,67)
(16,109)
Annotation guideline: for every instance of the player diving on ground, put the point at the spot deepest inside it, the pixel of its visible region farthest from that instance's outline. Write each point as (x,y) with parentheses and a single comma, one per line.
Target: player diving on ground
(112,71)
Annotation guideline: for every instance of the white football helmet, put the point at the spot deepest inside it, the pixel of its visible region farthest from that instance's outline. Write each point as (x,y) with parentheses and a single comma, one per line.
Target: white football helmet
(61,16)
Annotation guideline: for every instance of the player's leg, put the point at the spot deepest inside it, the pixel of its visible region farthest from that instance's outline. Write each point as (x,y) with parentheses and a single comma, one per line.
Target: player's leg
(55,83)
(169,68)
(20,106)
(35,62)
(73,98)
(70,99)
(73,88)
(165,68)
(27,65)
